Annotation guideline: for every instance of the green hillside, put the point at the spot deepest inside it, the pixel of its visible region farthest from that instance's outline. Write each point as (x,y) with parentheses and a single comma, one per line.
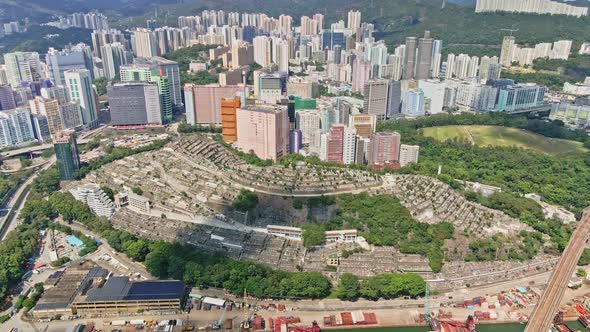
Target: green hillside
(504,136)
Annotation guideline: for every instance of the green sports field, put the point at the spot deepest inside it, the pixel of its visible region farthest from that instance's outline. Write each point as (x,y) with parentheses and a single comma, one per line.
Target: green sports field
(504,136)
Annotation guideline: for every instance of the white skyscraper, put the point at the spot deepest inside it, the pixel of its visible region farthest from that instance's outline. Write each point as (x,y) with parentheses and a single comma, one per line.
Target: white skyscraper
(146,45)
(349,146)
(354,19)
(408,154)
(16,127)
(262,50)
(81,90)
(22,67)
(308,121)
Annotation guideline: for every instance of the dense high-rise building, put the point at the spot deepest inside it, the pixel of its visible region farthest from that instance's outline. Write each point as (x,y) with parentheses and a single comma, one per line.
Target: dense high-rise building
(149,73)
(436,58)
(57,92)
(229,126)
(3,77)
(365,124)
(413,102)
(264,130)
(489,68)
(434,94)
(424,57)
(79,84)
(332,144)
(114,56)
(519,96)
(50,109)
(295,141)
(242,54)
(308,122)
(22,67)
(203,102)
(262,50)
(7,101)
(349,146)
(507,51)
(16,127)
(146,44)
(382,98)
(408,154)
(134,103)
(384,150)
(530,6)
(71,115)
(410,58)
(92,21)
(169,69)
(361,73)
(270,88)
(66,153)
(354,19)
(102,38)
(73,57)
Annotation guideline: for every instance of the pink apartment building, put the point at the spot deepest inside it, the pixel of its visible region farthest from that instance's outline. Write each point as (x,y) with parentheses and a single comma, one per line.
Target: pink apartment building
(264,130)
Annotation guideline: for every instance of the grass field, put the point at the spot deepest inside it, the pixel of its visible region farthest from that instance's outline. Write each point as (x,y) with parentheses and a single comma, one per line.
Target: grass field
(504,136)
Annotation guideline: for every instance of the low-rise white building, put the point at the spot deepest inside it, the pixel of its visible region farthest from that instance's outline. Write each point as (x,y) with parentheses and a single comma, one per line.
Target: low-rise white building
(345,235)
(95,198)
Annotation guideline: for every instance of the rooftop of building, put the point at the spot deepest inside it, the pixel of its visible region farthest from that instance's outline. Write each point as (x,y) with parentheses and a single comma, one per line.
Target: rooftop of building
(63,136)
(265,108)
(74,280)
(122,289)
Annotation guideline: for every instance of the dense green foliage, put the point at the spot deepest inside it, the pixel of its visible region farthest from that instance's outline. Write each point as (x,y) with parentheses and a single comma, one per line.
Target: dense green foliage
(47,181)
(116,154)
(101,85)
(498,247)
(349,287)
(531,213)
(7,182)
(246,200)
(313,235)
(39,38)
(552,81)
(576,68)
(553,73)
(186,128)
(585,259)
(393,285)
(383,221)
(195,53)
(560,180)
(18,246)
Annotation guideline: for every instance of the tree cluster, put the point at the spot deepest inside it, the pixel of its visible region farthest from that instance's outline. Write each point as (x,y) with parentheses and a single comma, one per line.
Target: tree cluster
(186,128)
(246,200)
(384,221)
(116,154)
(559,180)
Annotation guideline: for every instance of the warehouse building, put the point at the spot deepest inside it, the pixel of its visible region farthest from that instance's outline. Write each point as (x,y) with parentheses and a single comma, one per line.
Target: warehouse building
(119,294)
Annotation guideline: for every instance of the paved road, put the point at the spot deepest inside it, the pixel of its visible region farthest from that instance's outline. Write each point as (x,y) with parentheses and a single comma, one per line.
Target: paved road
(542,317)
(11,224)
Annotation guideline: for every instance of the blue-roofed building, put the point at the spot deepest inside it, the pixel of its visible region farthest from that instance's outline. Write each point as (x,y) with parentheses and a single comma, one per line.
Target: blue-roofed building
(119,294)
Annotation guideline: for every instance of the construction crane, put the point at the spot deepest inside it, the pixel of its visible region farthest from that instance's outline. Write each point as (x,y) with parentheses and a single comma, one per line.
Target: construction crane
(511,31)
(217,325)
